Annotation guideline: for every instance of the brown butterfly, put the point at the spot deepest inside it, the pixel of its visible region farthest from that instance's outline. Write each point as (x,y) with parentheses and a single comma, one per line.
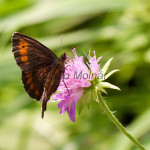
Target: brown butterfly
(41,68)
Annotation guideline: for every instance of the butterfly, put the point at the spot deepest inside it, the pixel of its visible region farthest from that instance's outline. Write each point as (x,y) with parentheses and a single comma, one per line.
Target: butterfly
(41,68)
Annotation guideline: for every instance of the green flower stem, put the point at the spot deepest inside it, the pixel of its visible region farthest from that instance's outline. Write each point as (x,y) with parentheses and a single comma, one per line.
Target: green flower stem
(117,123)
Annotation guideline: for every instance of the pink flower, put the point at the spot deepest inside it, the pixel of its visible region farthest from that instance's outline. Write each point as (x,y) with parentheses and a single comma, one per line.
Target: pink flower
(93,63)
(77,76)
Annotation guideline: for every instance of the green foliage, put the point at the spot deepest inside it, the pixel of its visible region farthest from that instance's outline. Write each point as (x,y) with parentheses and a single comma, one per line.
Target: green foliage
(113,28)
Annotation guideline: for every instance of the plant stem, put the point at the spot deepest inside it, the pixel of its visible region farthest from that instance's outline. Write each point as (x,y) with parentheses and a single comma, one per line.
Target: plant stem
(117,123)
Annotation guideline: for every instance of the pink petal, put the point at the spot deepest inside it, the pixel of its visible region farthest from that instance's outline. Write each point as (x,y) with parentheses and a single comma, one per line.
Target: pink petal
(71,111)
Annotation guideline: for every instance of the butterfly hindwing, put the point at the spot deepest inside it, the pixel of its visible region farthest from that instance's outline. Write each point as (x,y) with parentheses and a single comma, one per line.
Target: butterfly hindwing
(34,81)
(52,83)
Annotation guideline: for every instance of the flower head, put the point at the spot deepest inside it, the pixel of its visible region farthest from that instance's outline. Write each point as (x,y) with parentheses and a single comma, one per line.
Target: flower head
(80,83)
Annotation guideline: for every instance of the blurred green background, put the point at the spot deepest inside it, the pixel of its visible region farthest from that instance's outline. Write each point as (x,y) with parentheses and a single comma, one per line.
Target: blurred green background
(113,28)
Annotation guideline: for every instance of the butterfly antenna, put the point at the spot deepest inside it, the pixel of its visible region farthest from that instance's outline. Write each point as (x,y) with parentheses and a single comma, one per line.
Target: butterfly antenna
(61,43)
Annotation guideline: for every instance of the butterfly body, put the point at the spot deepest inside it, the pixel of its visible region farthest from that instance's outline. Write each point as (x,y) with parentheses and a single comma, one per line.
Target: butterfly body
(41,68)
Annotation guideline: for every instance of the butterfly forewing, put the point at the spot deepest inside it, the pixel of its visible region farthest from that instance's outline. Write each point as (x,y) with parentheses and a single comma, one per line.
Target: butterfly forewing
(30,54)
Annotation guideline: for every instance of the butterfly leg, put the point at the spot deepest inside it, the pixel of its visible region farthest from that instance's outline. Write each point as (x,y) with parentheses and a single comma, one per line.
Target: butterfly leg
(66,88)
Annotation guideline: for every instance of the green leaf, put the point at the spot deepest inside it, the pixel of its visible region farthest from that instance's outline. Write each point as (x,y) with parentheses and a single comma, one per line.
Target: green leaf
(99,87)
(88,95)
(109,85)
(110,73)
(85,98)
(93,94)
(104,69)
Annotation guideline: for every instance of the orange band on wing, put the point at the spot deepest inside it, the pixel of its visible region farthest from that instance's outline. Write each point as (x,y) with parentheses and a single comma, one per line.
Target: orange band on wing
(23,47)
(23,52)
(37,92)
(28,75)
(29,80)
(23,44)
(25,59)
(32,86)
